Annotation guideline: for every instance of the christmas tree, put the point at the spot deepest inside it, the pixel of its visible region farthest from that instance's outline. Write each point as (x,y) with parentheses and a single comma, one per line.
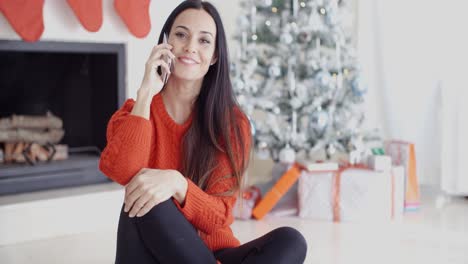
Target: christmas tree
(296,76)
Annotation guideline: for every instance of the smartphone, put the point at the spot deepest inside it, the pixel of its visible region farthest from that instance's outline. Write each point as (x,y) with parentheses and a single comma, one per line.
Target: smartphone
(168,60)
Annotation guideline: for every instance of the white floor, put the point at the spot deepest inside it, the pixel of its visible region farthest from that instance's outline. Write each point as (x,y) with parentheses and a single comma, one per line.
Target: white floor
(438,233)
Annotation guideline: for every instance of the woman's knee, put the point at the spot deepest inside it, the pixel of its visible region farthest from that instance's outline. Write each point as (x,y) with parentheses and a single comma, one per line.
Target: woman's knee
(155,216)
(160,210)
(163,216)
(292,240)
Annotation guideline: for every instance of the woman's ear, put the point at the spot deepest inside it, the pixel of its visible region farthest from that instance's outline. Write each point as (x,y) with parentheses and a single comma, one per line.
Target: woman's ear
(214,60)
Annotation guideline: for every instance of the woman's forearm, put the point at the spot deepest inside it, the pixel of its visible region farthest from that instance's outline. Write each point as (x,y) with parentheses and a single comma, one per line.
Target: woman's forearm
(128,144)
(142,104)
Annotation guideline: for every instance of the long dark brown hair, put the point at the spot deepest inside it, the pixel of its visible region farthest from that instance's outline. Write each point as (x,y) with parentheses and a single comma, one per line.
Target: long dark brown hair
(215,126)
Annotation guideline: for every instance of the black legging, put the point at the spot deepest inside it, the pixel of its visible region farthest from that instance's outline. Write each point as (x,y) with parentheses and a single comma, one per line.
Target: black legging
(164,235)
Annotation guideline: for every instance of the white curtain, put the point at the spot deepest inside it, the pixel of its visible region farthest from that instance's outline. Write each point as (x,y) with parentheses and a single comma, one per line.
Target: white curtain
(454,131)
(414,54)
(454,106)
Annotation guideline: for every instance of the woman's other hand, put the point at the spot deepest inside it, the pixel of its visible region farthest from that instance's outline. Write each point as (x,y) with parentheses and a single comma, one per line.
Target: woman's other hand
(152,186)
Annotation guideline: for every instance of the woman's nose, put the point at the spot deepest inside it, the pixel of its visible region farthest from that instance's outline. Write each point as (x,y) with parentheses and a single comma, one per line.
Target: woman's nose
(190,47)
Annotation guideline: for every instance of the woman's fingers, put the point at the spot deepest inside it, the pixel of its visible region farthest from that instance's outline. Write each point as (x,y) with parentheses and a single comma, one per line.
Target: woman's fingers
(134,182)
(160,52)
(148,206)
(142,193)
(157,197)
(139,203)
(161,46)
(153,82)
(154,64)
(132,198)
(133,189)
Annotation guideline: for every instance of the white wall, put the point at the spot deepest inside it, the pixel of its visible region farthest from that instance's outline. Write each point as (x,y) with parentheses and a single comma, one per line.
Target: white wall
(61,24)
(409,49)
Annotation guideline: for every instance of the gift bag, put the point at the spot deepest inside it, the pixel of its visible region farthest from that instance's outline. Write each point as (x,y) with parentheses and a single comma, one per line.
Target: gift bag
(403,154)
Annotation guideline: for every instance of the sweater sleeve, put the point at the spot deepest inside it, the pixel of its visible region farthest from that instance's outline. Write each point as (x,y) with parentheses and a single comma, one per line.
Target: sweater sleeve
(128,145)
(210,210)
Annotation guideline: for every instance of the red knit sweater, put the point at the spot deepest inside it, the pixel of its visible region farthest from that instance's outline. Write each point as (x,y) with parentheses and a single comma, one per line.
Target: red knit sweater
(134,142)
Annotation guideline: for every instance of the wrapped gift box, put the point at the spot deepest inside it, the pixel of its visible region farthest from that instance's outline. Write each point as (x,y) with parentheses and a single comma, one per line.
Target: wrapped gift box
(279,196)
(351,194)
(380,162)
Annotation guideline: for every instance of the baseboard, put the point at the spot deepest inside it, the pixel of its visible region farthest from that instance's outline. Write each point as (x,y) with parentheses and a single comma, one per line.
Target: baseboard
(48,214)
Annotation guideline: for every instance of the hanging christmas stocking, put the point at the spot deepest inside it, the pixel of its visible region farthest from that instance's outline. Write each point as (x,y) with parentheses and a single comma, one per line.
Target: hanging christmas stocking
(25,16)
(135,14)
(89,12)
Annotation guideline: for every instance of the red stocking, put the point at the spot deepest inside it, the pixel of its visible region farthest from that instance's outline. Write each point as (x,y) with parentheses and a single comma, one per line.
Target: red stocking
(89,12)
(135,14)
(25,16)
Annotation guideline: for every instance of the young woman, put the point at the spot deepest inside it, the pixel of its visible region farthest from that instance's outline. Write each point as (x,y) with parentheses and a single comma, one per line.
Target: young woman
(180,149)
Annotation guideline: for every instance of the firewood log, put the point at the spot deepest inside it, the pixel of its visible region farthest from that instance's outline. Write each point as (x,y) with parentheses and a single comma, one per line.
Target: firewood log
(18,152)
(25,121)
(32,153)
(9,147)
(25,135)
(39,153)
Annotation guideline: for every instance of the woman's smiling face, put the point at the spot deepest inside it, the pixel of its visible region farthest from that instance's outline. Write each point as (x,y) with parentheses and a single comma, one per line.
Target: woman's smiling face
(193,37)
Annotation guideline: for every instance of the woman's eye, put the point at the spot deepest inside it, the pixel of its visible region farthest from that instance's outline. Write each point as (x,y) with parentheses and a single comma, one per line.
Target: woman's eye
(205,41)
(180,35)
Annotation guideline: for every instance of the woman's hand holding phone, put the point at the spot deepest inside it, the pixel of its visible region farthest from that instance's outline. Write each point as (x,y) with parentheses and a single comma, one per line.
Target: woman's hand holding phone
(153,82)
